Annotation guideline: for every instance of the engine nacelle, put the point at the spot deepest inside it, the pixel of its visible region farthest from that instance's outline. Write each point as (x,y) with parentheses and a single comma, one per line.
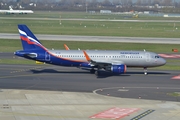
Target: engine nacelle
(120,69)
(86,65)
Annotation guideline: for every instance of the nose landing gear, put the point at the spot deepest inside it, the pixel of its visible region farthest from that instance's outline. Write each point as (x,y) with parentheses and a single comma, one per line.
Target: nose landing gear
(145,71)
(92,71)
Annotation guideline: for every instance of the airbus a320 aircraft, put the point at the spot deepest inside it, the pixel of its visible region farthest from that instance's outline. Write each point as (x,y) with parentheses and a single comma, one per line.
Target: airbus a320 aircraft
(95,60)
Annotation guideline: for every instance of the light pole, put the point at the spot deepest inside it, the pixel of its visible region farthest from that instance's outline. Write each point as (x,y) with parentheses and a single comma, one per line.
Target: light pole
(86,6)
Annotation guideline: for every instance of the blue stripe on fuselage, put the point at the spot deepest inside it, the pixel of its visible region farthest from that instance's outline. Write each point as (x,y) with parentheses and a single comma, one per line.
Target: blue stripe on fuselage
(64,62)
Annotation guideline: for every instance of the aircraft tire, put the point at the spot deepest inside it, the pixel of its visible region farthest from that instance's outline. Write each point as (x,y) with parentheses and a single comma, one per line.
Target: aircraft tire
(92,71)
(97,73)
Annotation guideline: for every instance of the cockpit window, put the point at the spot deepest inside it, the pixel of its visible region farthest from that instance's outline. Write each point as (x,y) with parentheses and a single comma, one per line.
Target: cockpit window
(157,57)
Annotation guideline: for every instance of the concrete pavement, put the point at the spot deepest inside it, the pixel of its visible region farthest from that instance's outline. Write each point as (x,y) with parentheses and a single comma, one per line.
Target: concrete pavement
(57,105)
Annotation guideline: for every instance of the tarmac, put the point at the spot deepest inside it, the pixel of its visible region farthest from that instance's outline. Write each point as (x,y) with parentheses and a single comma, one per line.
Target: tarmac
(45,92)
(58,105)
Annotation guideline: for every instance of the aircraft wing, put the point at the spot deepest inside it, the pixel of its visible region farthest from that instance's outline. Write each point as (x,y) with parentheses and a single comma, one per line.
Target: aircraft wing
(101,62)
(105,62)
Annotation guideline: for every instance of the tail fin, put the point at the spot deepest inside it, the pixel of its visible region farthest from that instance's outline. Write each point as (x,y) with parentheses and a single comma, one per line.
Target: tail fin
(28,39)
(10,8)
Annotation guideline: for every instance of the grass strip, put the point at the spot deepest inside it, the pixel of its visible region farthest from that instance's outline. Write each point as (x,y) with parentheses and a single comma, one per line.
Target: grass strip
(7,45)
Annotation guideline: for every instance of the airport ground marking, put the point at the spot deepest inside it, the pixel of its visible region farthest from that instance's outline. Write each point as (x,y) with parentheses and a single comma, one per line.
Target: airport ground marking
(37,115)
(115,113)
(170,55)
(142,115)
(176,77)
(23,70)
(21,76)
(98,91)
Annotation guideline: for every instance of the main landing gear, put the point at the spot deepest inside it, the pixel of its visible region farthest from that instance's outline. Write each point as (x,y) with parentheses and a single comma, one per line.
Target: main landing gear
(96,72)
(145,70)
(92,71)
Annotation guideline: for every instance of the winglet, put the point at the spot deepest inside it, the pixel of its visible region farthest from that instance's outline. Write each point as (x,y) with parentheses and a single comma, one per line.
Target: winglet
(66,47)
(86,55)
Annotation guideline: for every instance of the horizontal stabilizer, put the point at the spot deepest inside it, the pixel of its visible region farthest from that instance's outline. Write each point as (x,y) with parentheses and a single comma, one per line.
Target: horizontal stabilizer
(31,55)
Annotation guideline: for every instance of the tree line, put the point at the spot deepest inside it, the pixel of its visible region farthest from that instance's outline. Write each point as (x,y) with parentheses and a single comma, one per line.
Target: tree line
(94,5)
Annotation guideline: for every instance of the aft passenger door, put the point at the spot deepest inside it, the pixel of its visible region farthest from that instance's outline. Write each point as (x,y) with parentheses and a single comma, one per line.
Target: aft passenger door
(147,55)
(47,56)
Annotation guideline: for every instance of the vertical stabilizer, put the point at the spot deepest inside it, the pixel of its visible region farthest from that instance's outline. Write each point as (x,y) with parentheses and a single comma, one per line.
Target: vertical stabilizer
(10,8)
(28,39)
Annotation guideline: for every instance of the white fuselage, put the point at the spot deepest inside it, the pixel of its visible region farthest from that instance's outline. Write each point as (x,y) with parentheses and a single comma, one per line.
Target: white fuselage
(129,58)
(16,11)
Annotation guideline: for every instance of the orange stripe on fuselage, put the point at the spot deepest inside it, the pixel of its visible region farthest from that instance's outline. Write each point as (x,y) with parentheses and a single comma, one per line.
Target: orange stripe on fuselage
(66,58)
(29,42)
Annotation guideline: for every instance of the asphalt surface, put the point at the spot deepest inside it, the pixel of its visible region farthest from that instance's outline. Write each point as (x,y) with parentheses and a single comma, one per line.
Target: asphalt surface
(7,55)
(81,19)
(96,38)
(157,85)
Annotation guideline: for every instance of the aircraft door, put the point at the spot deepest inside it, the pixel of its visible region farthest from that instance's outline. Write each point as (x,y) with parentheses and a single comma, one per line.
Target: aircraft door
(47,56)
(147,55)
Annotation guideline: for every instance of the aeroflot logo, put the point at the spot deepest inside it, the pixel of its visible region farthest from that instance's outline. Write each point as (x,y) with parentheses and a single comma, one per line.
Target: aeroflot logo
(29,38)
(129,52)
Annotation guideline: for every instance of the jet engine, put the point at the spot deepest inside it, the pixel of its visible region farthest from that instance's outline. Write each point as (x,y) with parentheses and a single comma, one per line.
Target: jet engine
(120,69)
(86,65)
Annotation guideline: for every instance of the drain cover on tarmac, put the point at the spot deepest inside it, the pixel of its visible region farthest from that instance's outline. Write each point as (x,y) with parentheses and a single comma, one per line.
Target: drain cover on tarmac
(115,113)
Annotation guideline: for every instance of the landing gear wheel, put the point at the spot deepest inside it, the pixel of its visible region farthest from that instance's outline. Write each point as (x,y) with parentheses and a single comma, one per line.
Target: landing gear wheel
(92,71)
(145,71)
(97,73)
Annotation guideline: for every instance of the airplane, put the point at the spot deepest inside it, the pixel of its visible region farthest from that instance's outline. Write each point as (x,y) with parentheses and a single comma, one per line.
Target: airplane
(94,60)
(11,11)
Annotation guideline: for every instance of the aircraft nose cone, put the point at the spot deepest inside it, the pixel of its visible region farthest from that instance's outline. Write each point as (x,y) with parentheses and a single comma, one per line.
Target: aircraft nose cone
(163,61)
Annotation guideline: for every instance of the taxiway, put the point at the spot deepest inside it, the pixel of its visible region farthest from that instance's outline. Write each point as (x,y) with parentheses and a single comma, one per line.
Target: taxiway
(96,38)
(157,85)
(39,92)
